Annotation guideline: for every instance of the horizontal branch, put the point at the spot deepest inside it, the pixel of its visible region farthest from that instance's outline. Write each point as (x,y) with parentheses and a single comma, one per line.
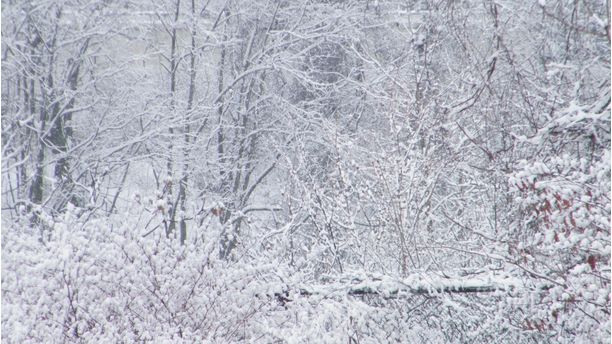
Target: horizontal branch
(422,290)
(388,288)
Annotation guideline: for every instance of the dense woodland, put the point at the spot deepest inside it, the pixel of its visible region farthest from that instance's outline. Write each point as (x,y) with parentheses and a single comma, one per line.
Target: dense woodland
(305,171)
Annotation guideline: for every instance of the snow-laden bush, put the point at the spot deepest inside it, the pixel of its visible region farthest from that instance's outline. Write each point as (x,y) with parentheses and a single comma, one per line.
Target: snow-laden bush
(104,283)
(561,239)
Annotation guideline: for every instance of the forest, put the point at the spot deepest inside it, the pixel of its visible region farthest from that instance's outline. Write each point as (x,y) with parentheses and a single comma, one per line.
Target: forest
(305,171)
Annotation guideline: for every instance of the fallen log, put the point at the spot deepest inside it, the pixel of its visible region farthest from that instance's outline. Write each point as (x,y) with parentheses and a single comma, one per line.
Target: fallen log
(391,288)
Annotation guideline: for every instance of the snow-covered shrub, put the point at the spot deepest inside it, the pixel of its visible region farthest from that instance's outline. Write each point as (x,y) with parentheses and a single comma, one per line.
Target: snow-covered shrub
(561,242)
(101,281)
